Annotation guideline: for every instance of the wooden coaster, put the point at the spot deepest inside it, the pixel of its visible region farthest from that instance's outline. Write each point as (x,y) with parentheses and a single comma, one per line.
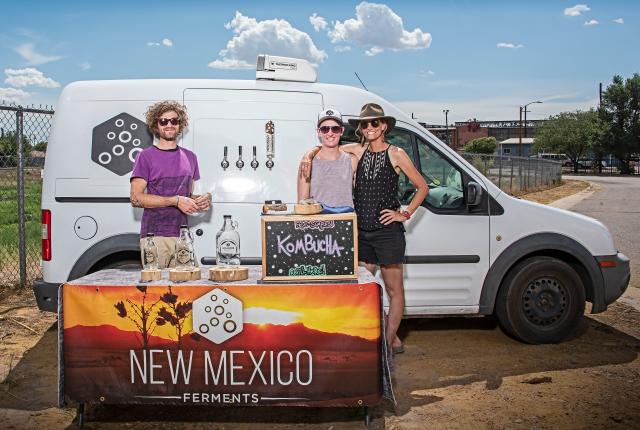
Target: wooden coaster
(311,209)
(150,275)
(228,273)
(180,275)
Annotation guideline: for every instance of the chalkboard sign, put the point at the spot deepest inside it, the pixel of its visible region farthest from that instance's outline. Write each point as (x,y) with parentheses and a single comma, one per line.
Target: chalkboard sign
(309,247)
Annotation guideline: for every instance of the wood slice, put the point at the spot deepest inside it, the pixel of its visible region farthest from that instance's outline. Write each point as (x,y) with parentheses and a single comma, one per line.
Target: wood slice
(311,209)
(150,275)
(196,274)
(180,275)
(228,273)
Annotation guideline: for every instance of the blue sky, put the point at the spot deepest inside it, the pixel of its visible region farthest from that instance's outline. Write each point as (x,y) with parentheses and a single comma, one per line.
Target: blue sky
(478,59)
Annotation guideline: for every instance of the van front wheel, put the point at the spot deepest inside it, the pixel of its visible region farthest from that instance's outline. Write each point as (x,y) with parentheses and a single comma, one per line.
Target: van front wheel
(541,300)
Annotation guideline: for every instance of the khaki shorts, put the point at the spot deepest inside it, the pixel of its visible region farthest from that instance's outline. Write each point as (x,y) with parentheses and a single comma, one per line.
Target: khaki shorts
(166,250)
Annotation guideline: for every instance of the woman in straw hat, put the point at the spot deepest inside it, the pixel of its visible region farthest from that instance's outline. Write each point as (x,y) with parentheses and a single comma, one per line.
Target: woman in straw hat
(381,239)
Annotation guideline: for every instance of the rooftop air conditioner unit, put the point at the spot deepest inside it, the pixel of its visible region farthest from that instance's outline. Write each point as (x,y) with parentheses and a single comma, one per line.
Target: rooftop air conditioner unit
(285,69)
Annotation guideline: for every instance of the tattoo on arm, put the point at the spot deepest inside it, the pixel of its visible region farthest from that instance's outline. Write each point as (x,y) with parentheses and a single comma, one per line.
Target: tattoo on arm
(135,202)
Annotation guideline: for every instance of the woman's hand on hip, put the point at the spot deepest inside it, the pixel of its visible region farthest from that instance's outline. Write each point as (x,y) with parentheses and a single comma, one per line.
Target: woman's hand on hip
(388,216)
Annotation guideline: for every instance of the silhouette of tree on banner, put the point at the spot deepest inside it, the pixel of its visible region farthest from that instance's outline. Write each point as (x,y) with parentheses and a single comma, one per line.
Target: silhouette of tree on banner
(175,313)
(139,315)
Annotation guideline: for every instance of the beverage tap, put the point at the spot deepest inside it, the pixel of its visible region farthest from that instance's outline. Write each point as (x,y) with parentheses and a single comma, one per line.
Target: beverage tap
(225,162)
(270,137)
(254,162)
(239,163)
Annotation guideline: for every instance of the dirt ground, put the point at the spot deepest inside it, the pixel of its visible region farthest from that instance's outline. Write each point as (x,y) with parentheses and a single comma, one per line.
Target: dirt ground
(456,373)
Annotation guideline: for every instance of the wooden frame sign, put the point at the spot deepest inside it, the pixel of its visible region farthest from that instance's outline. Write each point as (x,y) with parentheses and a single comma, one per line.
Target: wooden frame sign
(309,247)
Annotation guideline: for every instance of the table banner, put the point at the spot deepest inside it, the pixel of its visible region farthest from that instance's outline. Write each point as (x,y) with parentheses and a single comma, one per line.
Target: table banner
(312,345)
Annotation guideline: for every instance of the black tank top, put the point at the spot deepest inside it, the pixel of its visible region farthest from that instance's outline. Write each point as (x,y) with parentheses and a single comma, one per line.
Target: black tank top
(376,189)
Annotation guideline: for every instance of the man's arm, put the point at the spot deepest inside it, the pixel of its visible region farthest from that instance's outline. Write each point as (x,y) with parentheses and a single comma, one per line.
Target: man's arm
(140,199)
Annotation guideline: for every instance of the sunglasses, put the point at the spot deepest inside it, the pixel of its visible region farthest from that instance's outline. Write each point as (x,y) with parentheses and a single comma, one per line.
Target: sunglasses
(165,121)
(375,123)
(335,129)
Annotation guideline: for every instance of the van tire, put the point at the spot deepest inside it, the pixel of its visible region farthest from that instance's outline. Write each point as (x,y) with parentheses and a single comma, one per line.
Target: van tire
(124,264)
(541,300)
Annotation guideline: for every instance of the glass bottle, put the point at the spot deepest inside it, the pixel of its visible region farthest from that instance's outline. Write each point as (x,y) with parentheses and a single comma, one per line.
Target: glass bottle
(150,254)
(184,250)
(228,243)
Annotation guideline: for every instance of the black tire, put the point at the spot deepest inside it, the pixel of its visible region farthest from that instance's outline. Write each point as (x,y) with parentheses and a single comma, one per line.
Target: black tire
(124,264)
(541,300)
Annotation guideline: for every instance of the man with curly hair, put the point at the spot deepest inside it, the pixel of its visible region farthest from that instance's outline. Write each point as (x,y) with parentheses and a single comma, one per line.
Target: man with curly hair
(163,180)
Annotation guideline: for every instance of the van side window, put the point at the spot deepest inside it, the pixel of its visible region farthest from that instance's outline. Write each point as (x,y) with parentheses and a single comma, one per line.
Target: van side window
(444,180)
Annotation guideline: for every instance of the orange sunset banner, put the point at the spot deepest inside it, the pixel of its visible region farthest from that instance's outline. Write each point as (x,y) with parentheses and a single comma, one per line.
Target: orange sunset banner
(316,345)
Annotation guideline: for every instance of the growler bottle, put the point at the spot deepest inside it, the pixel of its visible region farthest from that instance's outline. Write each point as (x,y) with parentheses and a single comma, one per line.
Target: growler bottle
(150,253)
(228,243)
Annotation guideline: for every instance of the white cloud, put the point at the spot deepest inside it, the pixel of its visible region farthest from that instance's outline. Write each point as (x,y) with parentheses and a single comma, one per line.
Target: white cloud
(273,36)
(318,22)
(591,22)
(377,27)
(576,10)
(422,74)
(619,21)
(34,58)
(509,45)
(85,66)
(21,78)
(375,50)
(13,95)
(342,48)
(165,42)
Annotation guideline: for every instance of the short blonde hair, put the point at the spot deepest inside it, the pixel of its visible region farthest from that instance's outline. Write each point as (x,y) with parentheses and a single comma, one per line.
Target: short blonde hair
(156,110)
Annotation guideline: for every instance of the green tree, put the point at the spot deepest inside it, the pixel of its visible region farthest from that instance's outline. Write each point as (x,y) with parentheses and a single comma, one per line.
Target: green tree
(620,109)
(41,146)
(9,149)
(572,133)
(481,145)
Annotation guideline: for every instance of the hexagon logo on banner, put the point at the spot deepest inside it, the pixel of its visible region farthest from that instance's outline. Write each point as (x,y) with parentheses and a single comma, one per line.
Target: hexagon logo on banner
(217,316)
(117,141)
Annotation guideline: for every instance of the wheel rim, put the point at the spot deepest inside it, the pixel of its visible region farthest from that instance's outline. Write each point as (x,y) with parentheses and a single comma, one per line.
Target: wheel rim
(545,301)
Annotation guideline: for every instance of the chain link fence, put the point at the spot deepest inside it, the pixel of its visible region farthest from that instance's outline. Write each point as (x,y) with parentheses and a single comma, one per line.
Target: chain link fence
(516,175)
(24,132)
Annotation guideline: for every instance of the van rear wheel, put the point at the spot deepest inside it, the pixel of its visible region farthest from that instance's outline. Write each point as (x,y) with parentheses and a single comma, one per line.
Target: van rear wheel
(541,300)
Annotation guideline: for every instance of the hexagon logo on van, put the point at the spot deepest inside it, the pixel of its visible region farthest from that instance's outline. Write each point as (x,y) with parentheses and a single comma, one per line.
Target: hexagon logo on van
(217,316)
(117,141)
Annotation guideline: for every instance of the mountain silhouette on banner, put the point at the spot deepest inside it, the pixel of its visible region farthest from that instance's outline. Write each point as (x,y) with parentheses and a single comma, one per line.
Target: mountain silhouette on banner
(253,337)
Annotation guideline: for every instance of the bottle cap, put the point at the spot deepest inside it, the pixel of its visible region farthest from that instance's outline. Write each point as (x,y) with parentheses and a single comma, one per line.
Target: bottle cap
(184,226)
(150,235)
(227,216)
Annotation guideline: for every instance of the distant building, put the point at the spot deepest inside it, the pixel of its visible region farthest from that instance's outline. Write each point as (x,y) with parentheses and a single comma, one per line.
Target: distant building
(510,147)
(463,132)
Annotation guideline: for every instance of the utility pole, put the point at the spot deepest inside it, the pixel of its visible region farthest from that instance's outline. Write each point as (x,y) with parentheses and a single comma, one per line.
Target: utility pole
(520,134)
(446,124)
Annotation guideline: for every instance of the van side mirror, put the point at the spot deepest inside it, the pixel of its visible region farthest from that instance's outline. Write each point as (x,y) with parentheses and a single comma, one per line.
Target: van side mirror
(474,194)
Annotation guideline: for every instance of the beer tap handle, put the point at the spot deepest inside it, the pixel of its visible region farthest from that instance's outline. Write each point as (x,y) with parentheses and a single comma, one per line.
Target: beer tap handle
(254,162)
(225,162)
(240,163)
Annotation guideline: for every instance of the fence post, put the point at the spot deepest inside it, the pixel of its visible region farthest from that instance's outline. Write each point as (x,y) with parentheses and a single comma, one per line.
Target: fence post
(500,171)
(21,217)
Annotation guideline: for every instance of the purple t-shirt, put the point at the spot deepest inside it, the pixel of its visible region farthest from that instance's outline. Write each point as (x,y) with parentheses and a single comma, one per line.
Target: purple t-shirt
(168,173)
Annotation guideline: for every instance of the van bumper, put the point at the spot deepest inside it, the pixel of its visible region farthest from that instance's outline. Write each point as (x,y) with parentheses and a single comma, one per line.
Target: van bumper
(616,276)
(46,295)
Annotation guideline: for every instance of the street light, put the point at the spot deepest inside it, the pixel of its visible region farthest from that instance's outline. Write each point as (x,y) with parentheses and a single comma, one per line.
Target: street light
(446,124)
(523,108)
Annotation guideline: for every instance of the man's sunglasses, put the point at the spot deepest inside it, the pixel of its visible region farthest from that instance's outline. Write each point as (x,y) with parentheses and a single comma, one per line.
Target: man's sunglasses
(335,129)
(375,123)
(165,121)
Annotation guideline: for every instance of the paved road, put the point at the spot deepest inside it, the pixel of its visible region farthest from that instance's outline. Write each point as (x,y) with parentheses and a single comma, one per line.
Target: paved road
(617,205)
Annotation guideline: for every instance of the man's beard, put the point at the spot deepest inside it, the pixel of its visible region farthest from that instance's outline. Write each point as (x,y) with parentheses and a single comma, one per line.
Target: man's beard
(169,136)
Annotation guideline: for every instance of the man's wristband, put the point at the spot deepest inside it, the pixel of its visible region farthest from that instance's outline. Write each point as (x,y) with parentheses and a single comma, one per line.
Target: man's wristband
(405,214)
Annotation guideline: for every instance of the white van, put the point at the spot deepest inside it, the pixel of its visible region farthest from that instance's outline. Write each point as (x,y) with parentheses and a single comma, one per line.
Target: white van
(471,248)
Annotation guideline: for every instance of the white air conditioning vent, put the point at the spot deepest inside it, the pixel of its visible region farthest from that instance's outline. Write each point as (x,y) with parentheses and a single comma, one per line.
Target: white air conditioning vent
(285,69)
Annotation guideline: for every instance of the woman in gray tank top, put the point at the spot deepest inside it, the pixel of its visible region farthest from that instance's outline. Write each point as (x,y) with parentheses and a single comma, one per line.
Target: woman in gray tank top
(332,177)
